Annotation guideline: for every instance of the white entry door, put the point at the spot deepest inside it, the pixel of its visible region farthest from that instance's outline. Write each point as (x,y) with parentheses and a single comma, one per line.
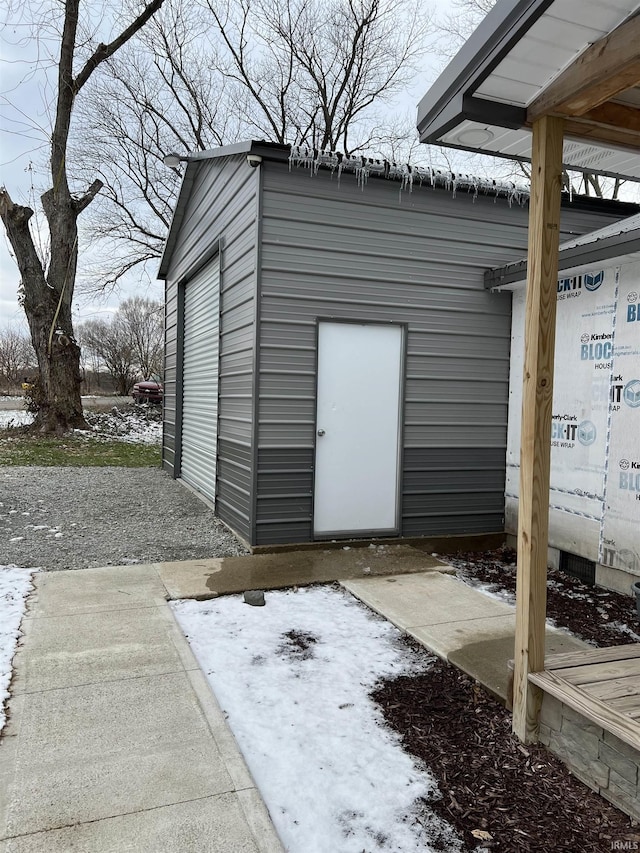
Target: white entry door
(358,428)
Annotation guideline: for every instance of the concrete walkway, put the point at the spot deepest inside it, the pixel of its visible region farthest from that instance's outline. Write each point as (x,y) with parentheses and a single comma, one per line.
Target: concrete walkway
(463,625)
(114,740)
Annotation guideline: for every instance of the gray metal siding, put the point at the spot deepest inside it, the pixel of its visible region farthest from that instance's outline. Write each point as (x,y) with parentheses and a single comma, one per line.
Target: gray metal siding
(222,207)
(333,249)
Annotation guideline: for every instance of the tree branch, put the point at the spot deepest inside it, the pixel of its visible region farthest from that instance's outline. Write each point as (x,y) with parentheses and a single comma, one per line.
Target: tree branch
(104,51)
(85,200)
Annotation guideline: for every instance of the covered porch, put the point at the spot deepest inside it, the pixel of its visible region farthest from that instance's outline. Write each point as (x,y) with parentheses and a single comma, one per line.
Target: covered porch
(532,84)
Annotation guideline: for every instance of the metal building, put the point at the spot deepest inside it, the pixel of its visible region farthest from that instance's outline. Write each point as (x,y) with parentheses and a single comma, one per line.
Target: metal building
(335,366)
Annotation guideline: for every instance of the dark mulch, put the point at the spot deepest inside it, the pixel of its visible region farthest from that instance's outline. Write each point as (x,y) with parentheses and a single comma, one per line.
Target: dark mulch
(599,616)
(523,797)
(297,645)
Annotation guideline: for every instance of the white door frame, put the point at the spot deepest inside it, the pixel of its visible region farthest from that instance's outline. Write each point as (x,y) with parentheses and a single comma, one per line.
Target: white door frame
(361,532)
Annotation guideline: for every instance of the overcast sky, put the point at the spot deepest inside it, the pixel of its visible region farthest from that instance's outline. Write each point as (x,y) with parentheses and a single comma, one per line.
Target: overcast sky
(22,152)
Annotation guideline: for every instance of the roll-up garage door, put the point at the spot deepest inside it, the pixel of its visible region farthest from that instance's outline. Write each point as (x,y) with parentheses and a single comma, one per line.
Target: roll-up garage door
(200,380)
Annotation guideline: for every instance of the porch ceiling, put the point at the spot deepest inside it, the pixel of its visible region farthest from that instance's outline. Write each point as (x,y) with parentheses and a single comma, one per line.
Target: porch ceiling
(572,58)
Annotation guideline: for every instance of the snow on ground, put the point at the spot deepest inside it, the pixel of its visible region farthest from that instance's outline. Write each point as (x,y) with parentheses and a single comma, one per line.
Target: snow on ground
(15,586)
(294,678)
(15,417)
(137,426)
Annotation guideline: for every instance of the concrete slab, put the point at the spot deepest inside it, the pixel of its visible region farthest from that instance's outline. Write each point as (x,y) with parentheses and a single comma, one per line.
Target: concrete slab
(446,638)
(486,660)
(455,621)
(206,825)
(94,590)
(75,723)
(90,752)
(88,648)
(101,787)
(104,749)
(426,599)
(198,575)
(208,578)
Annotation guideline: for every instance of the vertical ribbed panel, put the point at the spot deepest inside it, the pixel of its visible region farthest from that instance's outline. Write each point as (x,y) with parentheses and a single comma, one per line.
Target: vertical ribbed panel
(333,248)
(200,380)
(222,207)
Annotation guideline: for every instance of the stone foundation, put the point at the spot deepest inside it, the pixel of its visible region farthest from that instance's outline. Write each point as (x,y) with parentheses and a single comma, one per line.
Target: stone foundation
(602,761)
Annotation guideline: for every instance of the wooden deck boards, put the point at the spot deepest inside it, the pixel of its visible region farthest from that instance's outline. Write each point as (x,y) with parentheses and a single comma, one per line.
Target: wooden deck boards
(601,684)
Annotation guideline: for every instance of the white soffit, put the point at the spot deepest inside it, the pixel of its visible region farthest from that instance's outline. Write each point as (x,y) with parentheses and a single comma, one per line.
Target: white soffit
(552,43)
(550,46)
(580,155)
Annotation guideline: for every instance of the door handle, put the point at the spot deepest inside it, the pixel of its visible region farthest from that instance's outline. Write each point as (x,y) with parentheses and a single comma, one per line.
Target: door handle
(320,432)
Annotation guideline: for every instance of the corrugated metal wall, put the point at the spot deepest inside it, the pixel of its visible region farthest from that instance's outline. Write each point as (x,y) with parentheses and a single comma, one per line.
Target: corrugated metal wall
(223,206)
(200,386)
(334,249)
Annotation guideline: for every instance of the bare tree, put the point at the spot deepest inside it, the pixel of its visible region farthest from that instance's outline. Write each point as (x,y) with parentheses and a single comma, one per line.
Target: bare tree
(158,94)
(142,321)
(302,71)
(109,341)
(310,71)
(17,357)
(48,284)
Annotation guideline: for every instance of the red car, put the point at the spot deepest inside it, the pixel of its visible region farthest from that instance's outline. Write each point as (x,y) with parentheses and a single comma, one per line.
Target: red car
(147,392)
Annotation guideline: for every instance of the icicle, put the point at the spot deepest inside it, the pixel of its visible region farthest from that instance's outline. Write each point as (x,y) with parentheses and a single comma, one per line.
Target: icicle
(362,167)
(301,156)
(362,170)
(340,159)
(407,180)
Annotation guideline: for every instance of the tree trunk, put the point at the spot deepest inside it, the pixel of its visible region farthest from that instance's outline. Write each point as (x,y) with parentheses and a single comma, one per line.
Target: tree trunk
(58,391)
(47,304)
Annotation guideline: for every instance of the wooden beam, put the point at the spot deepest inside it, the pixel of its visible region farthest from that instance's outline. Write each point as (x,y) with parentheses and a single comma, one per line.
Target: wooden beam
(586,657)
(587,133)
(537,397)
(602,71)
(619,116)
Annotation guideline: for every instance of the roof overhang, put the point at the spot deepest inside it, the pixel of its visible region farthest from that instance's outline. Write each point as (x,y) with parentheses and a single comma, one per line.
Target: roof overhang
(267,150)
(599,247)
(572,58)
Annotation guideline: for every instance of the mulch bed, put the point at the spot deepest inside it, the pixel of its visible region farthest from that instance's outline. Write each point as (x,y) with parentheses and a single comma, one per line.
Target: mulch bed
(599,616)
(496,792)
(522,797)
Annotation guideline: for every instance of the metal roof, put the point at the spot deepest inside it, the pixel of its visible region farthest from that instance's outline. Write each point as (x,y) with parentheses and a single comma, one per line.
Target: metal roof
(193,162)
(364,168)
(480,101)
(621,239)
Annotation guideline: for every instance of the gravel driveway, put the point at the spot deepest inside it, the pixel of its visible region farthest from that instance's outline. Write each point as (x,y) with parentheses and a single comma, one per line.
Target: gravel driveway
(77,518)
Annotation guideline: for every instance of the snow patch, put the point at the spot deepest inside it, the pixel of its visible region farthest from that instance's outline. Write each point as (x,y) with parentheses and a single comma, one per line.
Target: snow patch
(14,418)
(15,586)
(295,679)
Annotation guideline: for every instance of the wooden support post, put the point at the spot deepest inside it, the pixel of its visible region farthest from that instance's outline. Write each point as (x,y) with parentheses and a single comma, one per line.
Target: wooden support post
(537,398)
